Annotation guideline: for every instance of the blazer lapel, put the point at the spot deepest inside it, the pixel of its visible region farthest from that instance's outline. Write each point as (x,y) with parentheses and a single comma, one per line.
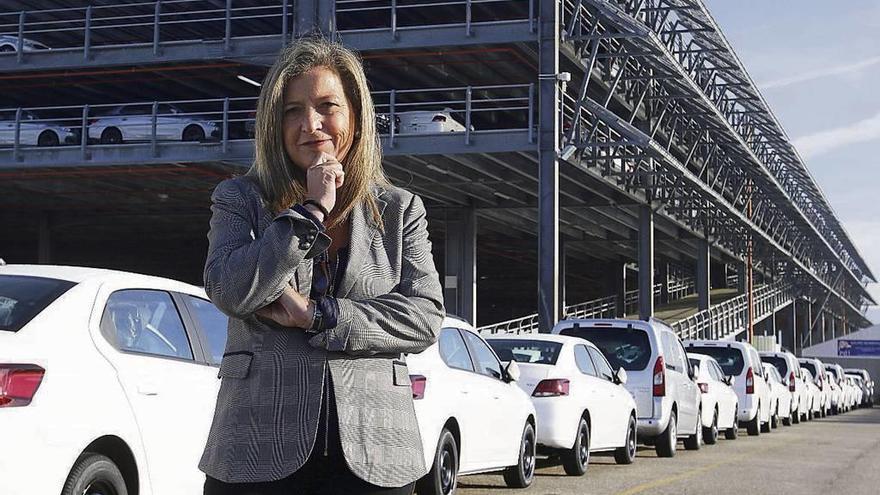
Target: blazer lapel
(362,229)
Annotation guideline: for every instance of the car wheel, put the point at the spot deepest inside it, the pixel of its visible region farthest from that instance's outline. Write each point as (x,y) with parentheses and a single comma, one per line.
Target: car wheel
(6,49)
(627,453)
(695,441)
(111,135)
(796,416)
(668,440)
(733,432)
(774,420)
(48,138)
(522,474)
(754,426)
(710,434)
(193,133)
(787,421)
(94,474)
(576,459)
(443,476)
(766,427)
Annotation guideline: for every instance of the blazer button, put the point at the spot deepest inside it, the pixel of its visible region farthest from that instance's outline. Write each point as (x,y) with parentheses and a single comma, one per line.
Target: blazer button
(305,245)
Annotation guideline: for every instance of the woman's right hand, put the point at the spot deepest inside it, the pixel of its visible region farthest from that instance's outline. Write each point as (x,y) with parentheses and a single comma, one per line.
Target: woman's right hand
(323,177)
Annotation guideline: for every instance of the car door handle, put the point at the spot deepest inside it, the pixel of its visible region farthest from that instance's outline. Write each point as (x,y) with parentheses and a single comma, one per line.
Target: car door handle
(147,389)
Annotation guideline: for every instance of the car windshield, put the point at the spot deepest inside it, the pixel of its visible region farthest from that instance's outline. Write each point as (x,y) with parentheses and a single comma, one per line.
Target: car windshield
(730,358)
(22,298)
(526,351)
(778,363)
(626,348)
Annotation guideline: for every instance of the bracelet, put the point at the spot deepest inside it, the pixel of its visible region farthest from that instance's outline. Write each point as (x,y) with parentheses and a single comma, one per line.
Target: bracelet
(317,205)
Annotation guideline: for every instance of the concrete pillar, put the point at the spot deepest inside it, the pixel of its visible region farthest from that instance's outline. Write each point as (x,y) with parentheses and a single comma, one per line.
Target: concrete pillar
(703,275)
(646,262)
(664,280)
(548,167)
(44,243)
(793,325)
(460,287)
(563,267)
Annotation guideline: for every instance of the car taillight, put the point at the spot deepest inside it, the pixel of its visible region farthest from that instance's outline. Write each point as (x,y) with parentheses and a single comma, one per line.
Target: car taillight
(791,382)
(704,388)
(659,377)
(750,381)
(19,383)
(419,383)
(551,388)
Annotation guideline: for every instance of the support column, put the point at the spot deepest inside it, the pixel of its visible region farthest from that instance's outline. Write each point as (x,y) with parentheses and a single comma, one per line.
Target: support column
(808,323)
(44,244)
(646,262)
(563,267)
(703,275)
(548,168)
(741,280)
(617,285)
(664,280)
(793,325)
(312,15)
(460,282)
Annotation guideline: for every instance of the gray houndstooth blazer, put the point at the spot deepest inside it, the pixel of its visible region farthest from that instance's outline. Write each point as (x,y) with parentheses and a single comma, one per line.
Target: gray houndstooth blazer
(390,302)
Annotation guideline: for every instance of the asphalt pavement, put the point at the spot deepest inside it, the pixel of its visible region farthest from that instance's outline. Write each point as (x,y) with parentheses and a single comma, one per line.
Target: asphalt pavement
(835,455)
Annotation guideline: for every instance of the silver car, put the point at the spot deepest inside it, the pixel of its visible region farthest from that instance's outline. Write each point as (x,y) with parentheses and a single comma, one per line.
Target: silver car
(135,123)
(10,44)
(33,131)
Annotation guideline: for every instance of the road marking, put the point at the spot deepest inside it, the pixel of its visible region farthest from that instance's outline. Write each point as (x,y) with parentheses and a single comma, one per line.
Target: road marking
(693,472)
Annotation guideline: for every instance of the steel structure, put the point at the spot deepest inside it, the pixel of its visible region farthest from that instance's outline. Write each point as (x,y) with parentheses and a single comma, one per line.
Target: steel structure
(598,133)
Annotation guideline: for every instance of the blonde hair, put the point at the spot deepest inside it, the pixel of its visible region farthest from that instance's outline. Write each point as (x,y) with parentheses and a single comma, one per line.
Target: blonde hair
(281,181)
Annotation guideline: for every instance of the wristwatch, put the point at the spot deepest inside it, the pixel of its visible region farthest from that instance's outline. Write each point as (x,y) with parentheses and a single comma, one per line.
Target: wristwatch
(317,319)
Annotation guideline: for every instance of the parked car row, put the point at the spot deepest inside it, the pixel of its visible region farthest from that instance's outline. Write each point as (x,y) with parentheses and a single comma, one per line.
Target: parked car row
(133,123)
(138,357)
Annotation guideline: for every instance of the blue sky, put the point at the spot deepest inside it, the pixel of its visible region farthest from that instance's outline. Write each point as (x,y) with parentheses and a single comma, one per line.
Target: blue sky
(817,63)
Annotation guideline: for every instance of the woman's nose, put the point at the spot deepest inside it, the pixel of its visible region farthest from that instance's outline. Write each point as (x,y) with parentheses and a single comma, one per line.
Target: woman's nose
(312,121)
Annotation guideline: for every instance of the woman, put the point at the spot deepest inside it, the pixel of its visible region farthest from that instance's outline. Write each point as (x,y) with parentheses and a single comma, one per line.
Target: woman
(326,272)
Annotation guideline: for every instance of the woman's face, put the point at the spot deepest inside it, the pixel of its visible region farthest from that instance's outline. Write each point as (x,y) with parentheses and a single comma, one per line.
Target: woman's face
(317,117)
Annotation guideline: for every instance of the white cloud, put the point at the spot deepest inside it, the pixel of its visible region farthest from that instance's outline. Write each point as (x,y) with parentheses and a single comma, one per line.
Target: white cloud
(818,74)
(825,141)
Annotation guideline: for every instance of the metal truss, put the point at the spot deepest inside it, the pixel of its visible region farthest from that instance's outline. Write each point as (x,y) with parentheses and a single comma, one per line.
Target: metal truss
(665,109)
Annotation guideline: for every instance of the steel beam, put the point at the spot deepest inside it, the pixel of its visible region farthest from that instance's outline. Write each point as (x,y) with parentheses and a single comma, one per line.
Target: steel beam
(704,288)
(460,282)
(646,262)
(549,304)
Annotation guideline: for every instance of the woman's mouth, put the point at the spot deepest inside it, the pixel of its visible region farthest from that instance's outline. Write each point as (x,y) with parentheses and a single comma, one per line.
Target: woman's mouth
(316,143)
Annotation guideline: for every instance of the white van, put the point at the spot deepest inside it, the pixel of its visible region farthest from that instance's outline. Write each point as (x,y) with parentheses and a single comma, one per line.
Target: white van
(741,360)
(659,377)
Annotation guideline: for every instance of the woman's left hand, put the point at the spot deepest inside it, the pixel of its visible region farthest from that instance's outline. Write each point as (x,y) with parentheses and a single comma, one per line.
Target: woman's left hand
(289,310)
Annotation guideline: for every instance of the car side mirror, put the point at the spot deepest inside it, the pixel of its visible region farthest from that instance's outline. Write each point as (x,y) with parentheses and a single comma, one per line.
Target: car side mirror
(620,376)
(511,371)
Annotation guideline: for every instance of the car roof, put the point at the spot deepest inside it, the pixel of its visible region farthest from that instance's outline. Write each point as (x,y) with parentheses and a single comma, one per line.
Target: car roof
(79,274)
(562,339)
(701,357)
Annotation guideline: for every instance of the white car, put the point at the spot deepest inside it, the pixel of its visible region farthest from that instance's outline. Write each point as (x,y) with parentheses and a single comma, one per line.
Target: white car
(814,405)
(741,360)
(472,416)
(581,402)
(107,379)
(33,131)
(659,377)
(837,374)
(780,395)
(855,391)
(719,398)
(817,370)
(790,371)
(427,122)
(867,384)
(135,123)
(9,44)
(833,392)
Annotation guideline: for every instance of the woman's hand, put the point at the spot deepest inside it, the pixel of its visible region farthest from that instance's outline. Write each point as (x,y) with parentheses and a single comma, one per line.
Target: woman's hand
(289,310)
(323,177)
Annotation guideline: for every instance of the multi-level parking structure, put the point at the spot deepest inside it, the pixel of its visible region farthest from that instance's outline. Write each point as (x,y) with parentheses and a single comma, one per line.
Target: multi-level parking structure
(600,138)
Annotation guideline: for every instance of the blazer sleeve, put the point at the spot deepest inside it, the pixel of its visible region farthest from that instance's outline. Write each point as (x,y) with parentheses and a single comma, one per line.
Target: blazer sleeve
(407,319)
(243,272)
